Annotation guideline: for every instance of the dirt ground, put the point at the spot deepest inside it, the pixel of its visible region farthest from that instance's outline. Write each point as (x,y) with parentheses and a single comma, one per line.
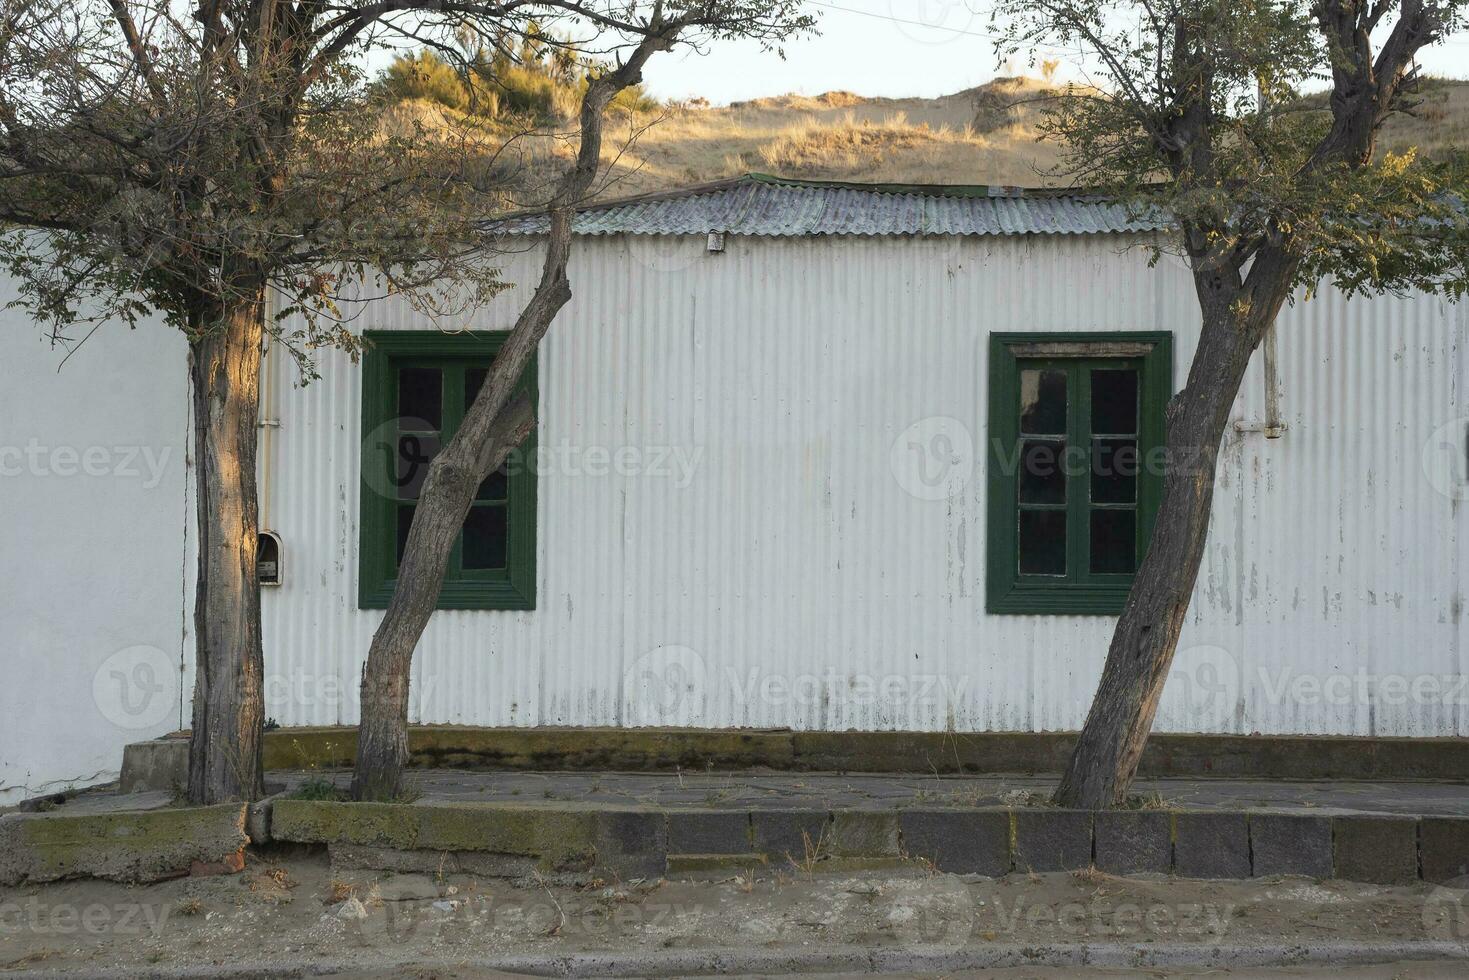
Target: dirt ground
(293,909)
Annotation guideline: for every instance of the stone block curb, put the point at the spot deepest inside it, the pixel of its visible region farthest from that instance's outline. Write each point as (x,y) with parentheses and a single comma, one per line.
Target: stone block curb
(1046,839)
(1290,844)
(1381,850)
(864,833)
(1134,841)
(1211,844)
(1443,848)
(709,832)
(958,841)
(647,842)
(791,836)
(132,846)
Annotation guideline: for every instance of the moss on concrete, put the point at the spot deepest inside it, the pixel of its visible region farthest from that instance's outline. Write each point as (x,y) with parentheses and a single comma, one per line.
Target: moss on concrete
(132,846)
(560,838)
(666,750)
(628,750)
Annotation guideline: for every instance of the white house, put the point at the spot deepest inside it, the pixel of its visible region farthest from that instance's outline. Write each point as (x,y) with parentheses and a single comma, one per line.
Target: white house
(789,472)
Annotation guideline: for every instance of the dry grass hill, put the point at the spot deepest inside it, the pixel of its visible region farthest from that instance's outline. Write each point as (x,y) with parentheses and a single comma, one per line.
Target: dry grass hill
(984,135)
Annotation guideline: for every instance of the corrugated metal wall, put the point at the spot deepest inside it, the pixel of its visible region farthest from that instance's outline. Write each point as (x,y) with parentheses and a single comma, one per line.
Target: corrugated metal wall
(799,576)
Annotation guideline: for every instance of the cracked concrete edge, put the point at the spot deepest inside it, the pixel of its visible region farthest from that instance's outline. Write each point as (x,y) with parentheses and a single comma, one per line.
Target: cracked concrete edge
(135,846)
(839,958)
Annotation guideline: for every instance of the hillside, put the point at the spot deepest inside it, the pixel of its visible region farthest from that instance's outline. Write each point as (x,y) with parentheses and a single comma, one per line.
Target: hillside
(984,135)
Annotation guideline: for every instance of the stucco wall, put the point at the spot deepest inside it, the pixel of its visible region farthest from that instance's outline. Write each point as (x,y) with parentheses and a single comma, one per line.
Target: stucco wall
(93,573)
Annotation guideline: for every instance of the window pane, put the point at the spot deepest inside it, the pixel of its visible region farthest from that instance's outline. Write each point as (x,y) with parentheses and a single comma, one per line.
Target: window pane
(484,538)
(1043,401)
(495,487)
(1042,542)
(405,520)
(420,398)
(415,451)
(474,380)
(1114,471)
(1114,402)
(1114,541)
(1042,479)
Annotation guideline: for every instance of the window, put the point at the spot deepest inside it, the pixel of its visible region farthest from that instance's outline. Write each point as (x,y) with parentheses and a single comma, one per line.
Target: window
(1076,430)
(416,387)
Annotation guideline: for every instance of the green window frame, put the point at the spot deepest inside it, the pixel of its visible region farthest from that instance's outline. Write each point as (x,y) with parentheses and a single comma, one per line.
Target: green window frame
(1058,513)
(403,417)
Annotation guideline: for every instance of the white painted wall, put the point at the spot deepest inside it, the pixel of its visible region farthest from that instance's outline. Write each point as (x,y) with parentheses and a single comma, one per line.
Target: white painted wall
(790,577)
(92,549)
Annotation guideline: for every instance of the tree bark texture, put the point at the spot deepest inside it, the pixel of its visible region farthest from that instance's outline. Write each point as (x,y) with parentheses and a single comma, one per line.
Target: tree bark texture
(491,428)
(225,745)
(1235,316)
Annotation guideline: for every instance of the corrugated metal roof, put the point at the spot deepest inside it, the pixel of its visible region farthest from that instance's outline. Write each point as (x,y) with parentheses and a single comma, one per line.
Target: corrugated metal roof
(756,204)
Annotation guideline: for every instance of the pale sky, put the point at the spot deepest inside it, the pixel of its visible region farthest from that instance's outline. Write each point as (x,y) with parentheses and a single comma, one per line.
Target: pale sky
(883,47)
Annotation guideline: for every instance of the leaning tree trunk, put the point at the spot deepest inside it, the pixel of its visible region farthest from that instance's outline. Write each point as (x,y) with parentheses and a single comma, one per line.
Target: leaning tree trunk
(225,745)
(1105,759)
(492,426)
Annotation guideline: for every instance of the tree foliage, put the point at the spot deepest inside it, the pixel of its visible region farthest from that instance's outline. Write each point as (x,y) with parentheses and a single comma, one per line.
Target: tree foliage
(538,86)
(165,156)
(1198,109)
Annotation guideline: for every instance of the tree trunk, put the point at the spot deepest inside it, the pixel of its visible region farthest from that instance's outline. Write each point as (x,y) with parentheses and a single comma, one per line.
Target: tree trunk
(491,428)
(443,503)
(493,425)
(225,746)
(1104,762)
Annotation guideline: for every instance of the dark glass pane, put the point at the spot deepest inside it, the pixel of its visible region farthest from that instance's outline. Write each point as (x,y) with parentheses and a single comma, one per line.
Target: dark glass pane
(1042,542)
(415,451)
(1043,402)
(1114,471)
(405,520)
(1114,402)
(474,380)
(1042,479)
(484,538)
(495,487)
(420,398)
(1114,541)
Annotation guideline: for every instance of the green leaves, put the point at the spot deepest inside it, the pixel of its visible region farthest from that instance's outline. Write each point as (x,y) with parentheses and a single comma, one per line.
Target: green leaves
(1197,110)
(170,163)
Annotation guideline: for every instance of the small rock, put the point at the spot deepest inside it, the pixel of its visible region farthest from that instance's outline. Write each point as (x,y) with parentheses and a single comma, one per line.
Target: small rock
(408,888)
(444,906)
(352,908)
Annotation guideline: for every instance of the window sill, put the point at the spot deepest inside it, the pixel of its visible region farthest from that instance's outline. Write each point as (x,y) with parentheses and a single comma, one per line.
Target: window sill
(488,596)
(1052,600)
